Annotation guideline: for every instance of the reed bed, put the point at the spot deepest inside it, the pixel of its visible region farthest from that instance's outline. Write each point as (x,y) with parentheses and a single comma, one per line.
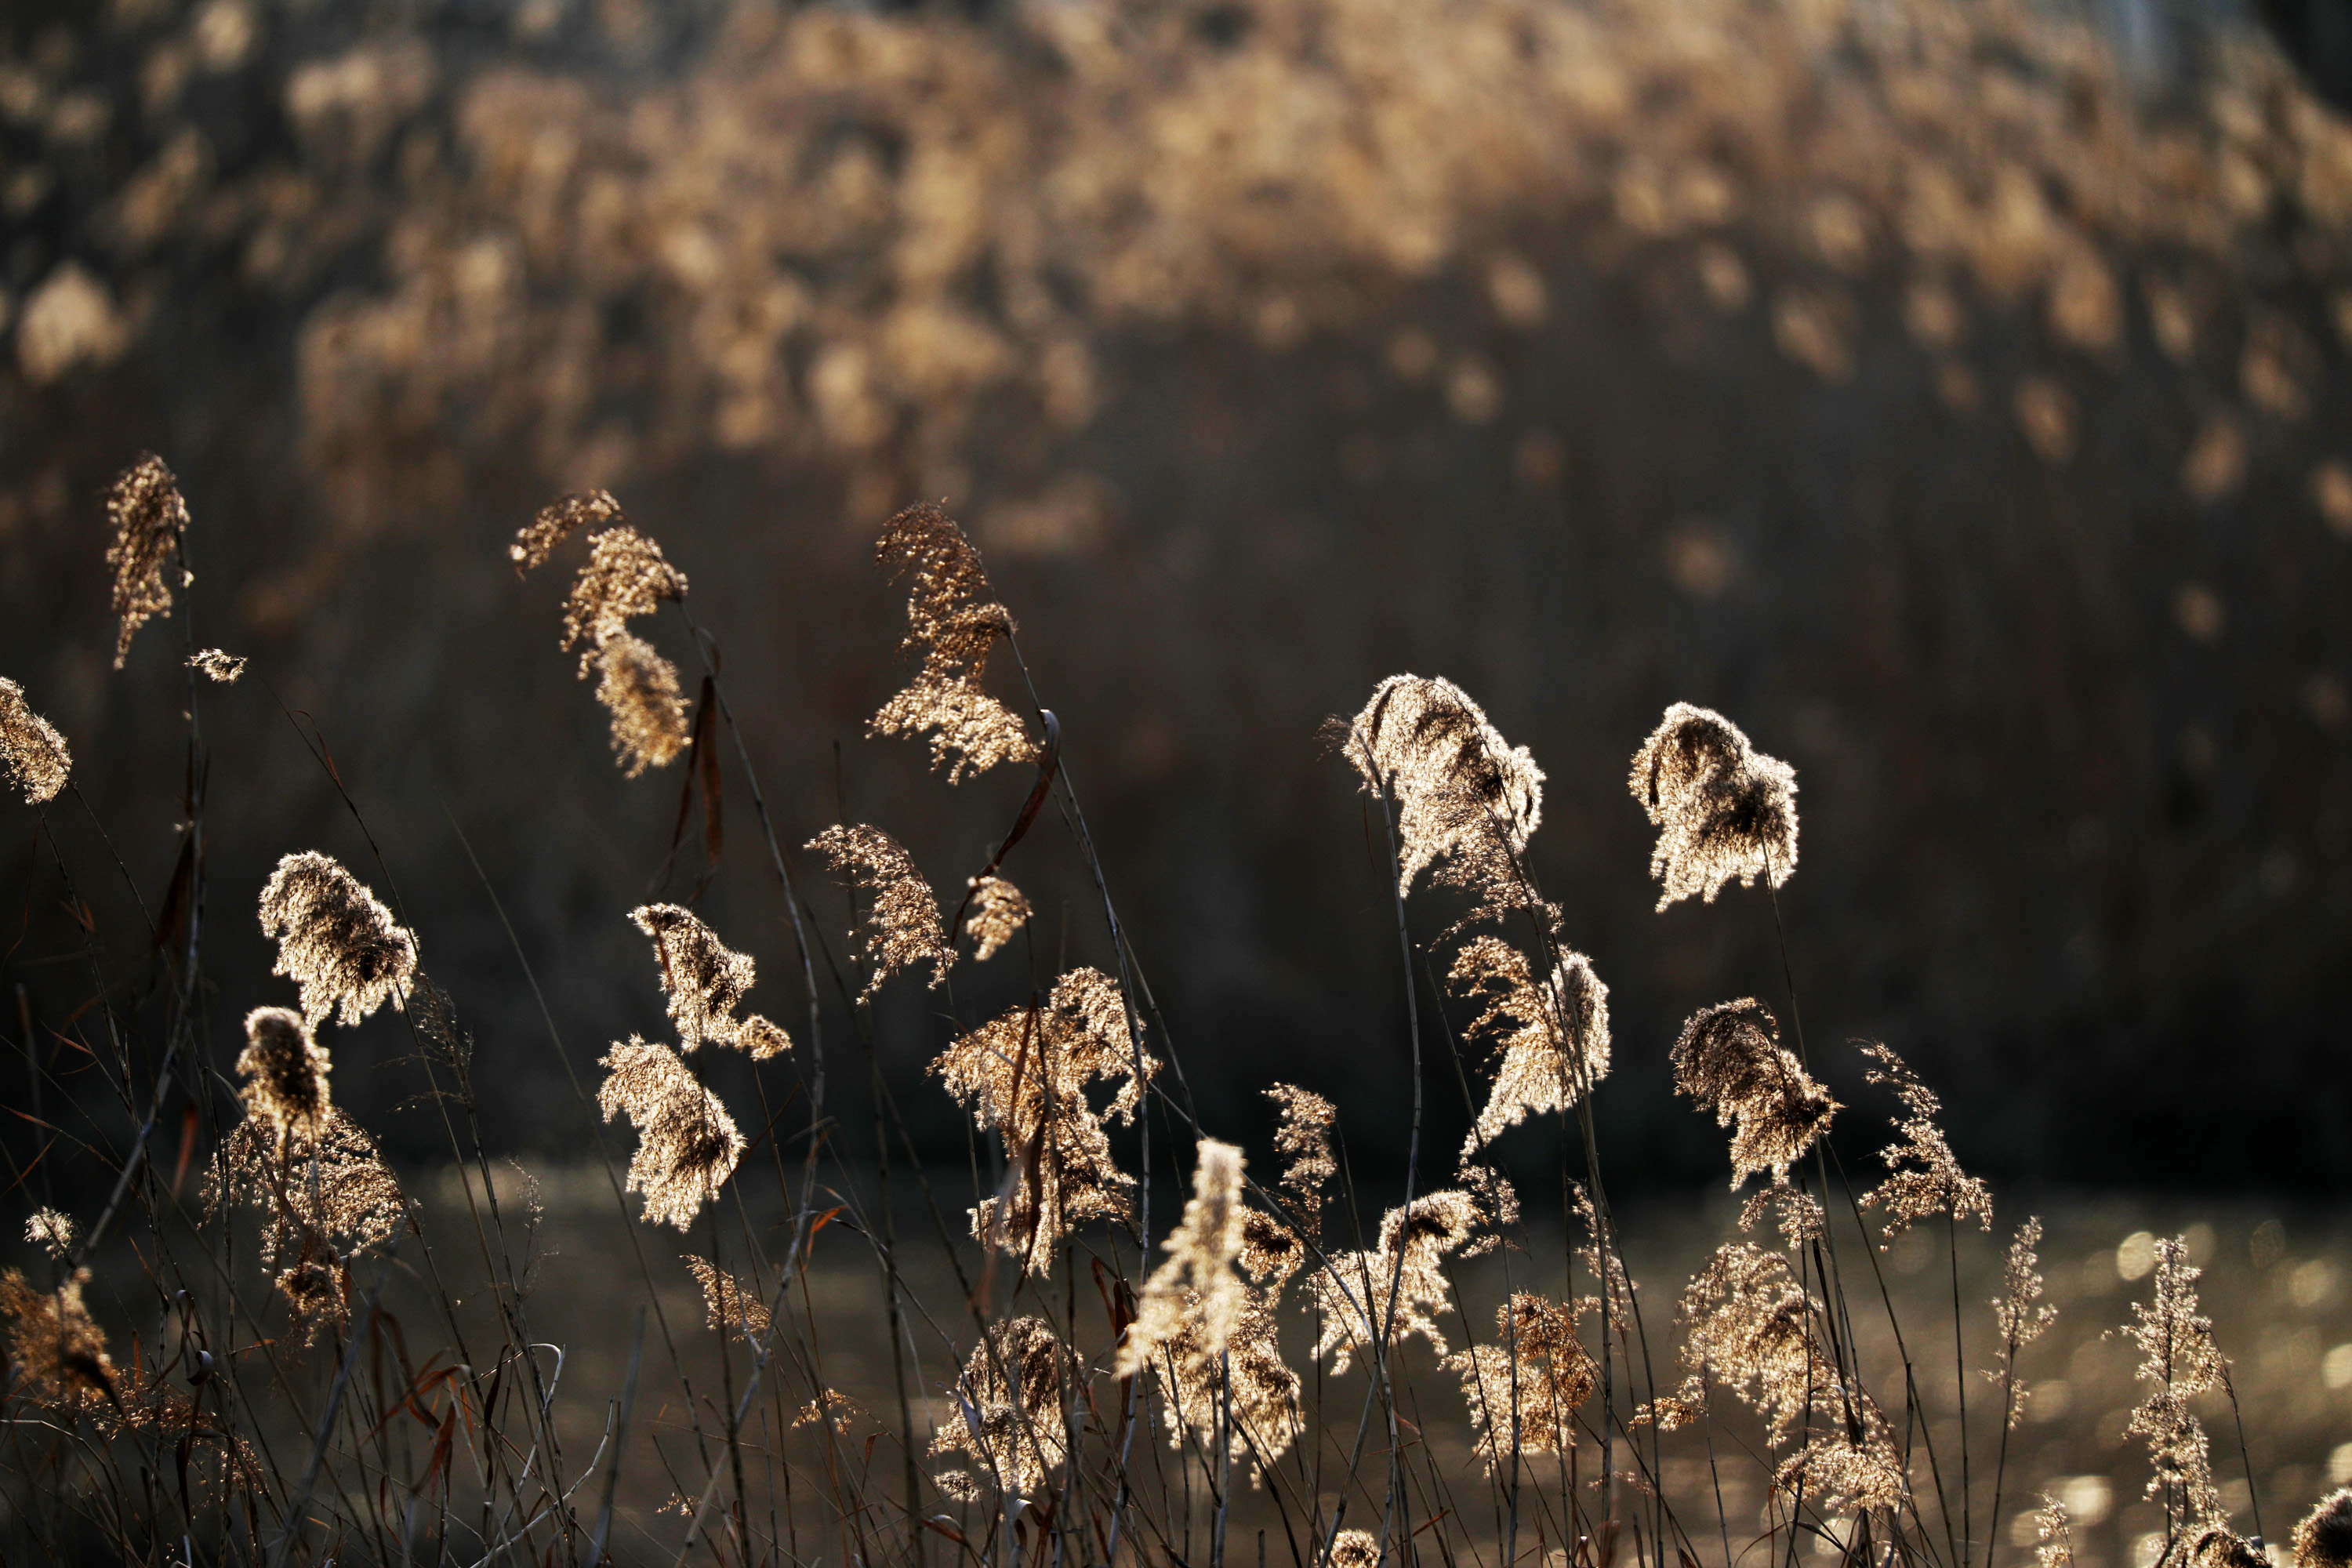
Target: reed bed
(1115,1333)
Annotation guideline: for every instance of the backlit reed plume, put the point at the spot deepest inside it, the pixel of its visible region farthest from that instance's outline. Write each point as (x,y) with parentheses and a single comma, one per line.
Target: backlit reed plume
(1926,1179)
(55,1346)
(1498,1202)
(733,1306)
(2178,1360)
(148,515)
(953,621)
(1355,1549)
(1466,800)
(687,1143)
(902,925)
(2053,1537)
(1009,1418)
(1554,1035)
(214,665)
(51,1231)
(999,910)
(1196,1283)
(2323,1539)
(38,764)
(1524,1391)
(705,983)
(325,1194)
(2019,1312)
(639,689)
(1304,1133)
(285,1075)
(1025,1078)
(537,540)
(626,576)
(1748,1325)
(1729,1059)
(2218,1546)
(1722,809)
(335,940)
(1396,1285)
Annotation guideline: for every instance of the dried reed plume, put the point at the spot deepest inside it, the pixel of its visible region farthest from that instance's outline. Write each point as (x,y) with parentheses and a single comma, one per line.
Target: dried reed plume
(38,763)
(998,910)
(2218,1546)
(1498,1200)
(326,1195)
(2053,1538)
(54,1345)
(687,1143)
(285,1075)
(1466,800)
(1304,1134)
(1934,1182)
(624,576)
(706,982)
(1554,1037)
(214,665)
(1355,1549)
(51,1231)
(335,940)
(1523,1393)
(1729,1059)
(537,540)
(1024,1077)
(149,516)
(2019,1312)
(1355,1292)
(733,1306)
(954,621)
(1010,1419)
(1722,809)
(903,928)
(2323,1539)
(2178,1360)
(1196,1282)
(639,689)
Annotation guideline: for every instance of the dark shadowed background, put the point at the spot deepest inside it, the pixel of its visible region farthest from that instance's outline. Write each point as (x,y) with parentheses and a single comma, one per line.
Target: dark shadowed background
(1955,396)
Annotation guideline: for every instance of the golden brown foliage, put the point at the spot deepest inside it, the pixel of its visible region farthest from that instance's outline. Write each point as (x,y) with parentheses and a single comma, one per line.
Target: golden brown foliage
(687,1143)
(1523,1393)
(1933,1183)
(2323,1538)
(148,516)
(2178,1360)
(1024,1077)
(999,910)
(733,1306)
(335,940)
(706,982)
(1554,1037)
(214,665)
(1722,809)
(954,621)
(639,689)
(285,1075)
(1011,1420)
(537,540)
(903,927)
(1396,1286)
(1729,1059)
(34,752)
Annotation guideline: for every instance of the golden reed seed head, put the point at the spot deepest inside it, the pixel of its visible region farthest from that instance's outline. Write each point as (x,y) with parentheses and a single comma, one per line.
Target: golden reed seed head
(58,1350)
(639,689)
(285,1075)
(1523,1393)
(51,1231)
(1722,809)
(705,983)
(1271,1251)
(537,540)
(687,1143)
(2323,1539)
(2178,1360)
(35,754)
(1355,1549)
(1729,1059)
(1463,793)
(335,940)
(953,622)
(2054,1541)
(999,910)
(214,665)
(2218,1546)
(1304,1134)
(148,515)
(1011,1421)
(903,927)
(1926,1178)
(1354,1292)
(734,1307)
(1195,1287)
(2019,1310)
(1554,1037)
(624,578)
